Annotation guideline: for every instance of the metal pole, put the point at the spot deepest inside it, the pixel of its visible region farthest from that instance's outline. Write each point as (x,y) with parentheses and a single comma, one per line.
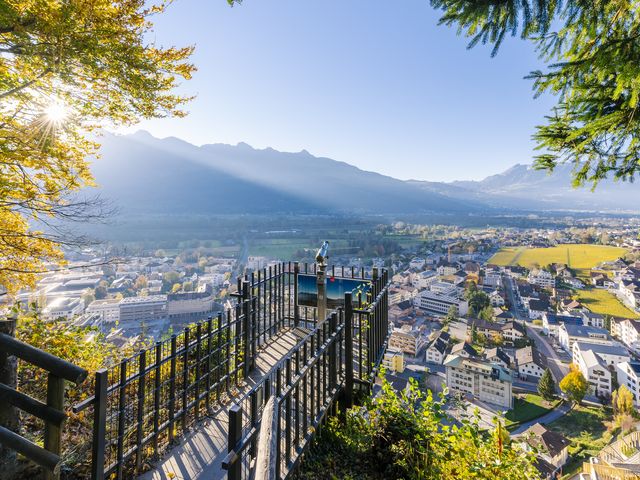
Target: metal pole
(99,425)
(348,350)
(296,308)
(322,292)
(234,436)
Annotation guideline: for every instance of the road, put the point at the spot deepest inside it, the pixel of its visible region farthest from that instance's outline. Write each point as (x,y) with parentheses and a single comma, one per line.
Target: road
(557,367)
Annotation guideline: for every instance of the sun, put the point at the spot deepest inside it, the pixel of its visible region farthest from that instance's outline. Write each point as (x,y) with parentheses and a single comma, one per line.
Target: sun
(56,112)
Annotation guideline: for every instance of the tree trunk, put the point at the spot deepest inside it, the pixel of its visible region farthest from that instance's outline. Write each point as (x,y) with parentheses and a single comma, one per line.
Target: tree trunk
(8,413)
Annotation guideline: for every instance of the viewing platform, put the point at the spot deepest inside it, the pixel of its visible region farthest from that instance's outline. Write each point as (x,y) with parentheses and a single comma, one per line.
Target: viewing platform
(304,335)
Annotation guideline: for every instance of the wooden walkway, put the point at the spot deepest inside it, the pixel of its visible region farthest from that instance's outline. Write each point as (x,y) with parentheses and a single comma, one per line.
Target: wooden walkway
(200,453)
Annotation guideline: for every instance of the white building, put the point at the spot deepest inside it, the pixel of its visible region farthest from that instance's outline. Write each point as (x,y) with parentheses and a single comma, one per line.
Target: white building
(611,355)
(63,308)
(437,303)
(595,371)
(436,351)
(108,309)
(551,448)
(530,363)
(136,312)
(191,304)
(484,381)
(593,319)
(628,331)
(551,322)
(629,375)
(541,278)
(569,334)
(492,279)
(407,340)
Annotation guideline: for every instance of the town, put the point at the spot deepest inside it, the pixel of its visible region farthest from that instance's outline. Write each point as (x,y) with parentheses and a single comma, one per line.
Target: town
(495,319)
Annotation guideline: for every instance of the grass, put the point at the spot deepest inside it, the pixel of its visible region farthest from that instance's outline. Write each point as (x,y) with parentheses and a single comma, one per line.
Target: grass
(576,256)
(604,302)
(525,409)
(586,428)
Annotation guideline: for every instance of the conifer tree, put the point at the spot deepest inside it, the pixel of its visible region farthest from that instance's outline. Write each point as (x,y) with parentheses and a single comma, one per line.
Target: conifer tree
(547,386)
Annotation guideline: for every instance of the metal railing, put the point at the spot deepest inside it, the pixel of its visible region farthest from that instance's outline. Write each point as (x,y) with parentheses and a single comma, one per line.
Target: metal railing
(327,365)
(52,412)
(143,405)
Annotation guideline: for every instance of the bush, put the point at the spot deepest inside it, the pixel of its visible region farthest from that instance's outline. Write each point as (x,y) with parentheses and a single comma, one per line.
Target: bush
(409,436)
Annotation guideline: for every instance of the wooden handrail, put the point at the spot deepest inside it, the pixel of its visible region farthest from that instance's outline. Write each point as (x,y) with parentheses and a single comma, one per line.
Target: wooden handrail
(55,365)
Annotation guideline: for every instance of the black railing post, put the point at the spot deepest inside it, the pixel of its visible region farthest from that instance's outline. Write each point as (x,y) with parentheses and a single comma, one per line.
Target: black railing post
(296,308)
(234,437)
(333,356)
(142,380)
(157,385)
(246,328)
(172,387)
(348,350)
(99,425)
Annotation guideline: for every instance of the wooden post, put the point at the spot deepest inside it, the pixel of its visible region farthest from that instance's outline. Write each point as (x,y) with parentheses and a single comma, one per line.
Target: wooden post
(99,425)
(53,433)
(8,413)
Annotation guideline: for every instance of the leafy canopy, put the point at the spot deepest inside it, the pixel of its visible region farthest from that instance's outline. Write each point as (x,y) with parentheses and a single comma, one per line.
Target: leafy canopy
(574,385)
(592,52)
(68,68)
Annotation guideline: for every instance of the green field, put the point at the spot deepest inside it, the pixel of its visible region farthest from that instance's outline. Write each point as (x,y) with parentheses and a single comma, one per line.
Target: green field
(586,428)
(603,302)
(576,256)
(525,409)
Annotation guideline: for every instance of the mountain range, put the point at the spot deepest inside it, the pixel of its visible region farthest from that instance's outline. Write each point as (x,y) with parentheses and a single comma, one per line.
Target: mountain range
(145,175)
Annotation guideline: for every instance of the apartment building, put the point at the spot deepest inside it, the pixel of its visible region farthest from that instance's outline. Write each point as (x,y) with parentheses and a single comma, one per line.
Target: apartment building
(393,361)
(568,334)
(406,340)
(436,351)
(595,371)
(191,305)
(541,278)
(530,363)
(551,322)
(108,309)
(629,375)
(440,304)
(149,311)
(487,382)
(628,331)
(610,355)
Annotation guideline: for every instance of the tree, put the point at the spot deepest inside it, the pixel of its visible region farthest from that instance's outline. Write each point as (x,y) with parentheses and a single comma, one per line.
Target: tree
(87,298)
(452,315)
(141,282)
(622,401)
(547,386)
(574,385)
(176,288)
(187,286)
(497,339)
(473,335)
(68,69)
(591,51)
(101,290)
(486,313)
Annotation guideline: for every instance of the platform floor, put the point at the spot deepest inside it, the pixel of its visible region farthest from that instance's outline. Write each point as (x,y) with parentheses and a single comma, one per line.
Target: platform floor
(200,454)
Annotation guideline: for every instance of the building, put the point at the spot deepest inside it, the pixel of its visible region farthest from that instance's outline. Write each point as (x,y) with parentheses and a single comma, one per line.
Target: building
(440,304)
(611,355)
(568,334)
(436,351)
(137,313)
(496,299)
(463,349)
(530,363)
(393,361)
(484,381)
(595,371)
(108,309)
(552,448)
(492,279)
(541,278)
(629,375)
(63,308)
(406,340)
(190,306)
(593,319)
(628,331)
(498,356)
(551,322)
(510,331)
(537,307)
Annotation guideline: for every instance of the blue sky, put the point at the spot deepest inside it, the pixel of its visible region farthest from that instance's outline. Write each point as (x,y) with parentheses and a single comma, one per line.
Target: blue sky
(376,84)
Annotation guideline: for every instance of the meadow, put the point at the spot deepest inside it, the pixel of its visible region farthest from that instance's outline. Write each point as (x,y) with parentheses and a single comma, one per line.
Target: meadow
(603,302)
(576,256)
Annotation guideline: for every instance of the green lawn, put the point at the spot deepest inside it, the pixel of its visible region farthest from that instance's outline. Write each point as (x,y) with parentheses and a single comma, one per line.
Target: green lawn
(526,408)
(603,302)
(578,256)
(586,428)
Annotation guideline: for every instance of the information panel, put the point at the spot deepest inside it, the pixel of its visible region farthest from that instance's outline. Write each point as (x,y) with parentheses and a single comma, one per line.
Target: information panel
(336,288)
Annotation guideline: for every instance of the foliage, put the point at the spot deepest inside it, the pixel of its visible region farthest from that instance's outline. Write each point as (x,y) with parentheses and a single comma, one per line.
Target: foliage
(67,69)
(408,435)
(547,386)
(85,347)
(622,401)
(591,50)
(478,300)
(604,302)
(574,385)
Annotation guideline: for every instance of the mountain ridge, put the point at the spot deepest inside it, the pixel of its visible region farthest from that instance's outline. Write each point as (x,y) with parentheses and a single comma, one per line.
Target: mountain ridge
(145,174)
